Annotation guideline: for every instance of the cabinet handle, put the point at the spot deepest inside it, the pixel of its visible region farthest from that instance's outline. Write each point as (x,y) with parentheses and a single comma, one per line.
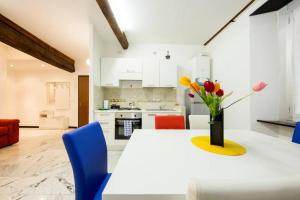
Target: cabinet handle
(109,84)
(104,122)
(151,114)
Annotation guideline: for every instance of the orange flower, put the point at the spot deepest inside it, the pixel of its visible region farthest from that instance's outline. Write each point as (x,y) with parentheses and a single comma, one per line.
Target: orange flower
(195,87)
(185,81)
(217,87)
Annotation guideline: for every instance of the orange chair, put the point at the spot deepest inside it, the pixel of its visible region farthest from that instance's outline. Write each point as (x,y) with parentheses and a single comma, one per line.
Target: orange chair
(169,122)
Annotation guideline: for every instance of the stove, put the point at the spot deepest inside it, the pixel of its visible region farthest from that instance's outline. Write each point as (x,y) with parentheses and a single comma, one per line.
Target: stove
(122,118)
(128,108)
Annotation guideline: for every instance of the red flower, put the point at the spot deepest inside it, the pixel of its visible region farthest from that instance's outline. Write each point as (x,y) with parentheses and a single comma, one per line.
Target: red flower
(191,95)
(209,86)
(220,93)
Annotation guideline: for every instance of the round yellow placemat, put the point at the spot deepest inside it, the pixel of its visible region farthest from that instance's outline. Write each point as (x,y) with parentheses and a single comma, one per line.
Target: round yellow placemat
(230,148)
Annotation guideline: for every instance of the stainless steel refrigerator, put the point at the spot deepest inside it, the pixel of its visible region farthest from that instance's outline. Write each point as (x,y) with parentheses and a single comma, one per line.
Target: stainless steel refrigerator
(194,106)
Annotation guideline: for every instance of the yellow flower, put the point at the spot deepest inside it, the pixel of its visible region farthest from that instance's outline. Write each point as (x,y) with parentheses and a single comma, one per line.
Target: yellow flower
(185,81)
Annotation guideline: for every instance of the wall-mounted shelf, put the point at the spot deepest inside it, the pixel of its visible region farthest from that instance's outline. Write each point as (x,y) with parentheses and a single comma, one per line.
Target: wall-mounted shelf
(290,124)
(270,6)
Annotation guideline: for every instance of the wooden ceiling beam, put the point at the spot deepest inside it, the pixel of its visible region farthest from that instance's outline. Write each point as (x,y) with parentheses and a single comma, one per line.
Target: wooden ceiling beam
(107,12)
(17,37)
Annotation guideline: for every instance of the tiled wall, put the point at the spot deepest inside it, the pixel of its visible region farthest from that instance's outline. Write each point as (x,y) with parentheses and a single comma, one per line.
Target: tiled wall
(143,97)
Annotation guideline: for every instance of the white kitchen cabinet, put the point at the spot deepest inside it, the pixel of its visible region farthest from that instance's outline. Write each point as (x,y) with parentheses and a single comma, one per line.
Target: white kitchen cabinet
(148,118)
(110,70)
(130,69)
(130,65)
(167,74)
(107,122)
(150,73)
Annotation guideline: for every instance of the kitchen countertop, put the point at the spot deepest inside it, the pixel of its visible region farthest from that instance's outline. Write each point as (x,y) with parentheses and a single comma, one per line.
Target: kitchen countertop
(143,111)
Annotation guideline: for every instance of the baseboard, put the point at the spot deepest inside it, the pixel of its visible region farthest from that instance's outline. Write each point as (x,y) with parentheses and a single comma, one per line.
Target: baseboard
(38,127)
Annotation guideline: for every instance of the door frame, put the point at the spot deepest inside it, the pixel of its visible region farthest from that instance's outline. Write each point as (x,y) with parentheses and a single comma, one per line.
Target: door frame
(78,97)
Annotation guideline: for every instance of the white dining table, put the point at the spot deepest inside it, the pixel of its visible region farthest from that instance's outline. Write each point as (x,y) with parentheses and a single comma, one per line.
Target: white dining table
(158,164)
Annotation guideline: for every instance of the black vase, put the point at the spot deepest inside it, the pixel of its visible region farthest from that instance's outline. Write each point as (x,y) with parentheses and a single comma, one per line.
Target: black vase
(217,130)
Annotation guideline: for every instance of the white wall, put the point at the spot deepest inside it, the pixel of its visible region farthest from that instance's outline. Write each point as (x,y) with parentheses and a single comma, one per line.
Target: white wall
(265,65)
(181,54)
(295,14)
(96,92)
(244,53)
(25,93)
(230,53)
(273,43)
(3,75)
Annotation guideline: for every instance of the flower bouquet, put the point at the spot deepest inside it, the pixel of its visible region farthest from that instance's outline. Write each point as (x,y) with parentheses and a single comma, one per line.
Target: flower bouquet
(213,96)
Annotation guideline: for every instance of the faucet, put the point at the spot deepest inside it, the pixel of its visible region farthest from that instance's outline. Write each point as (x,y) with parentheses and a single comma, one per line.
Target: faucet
(131,104)
(161,107)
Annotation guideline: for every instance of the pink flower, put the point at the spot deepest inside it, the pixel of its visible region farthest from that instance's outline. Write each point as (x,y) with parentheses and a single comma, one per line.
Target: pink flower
(259,86)
(229,94)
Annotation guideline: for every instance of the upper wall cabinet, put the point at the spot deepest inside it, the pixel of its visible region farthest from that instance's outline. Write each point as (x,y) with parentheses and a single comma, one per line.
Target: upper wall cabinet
(110,69)
(130,69)
(150,73)
(167,73)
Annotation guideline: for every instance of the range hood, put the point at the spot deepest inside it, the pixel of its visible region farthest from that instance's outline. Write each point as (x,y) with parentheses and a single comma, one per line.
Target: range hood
(131,84)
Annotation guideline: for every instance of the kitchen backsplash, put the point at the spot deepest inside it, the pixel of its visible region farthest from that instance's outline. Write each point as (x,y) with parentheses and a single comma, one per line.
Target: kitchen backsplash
(143,97)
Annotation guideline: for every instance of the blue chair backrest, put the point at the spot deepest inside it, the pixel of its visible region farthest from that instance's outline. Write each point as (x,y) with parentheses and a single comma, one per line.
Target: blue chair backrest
(296,136)
(87,151)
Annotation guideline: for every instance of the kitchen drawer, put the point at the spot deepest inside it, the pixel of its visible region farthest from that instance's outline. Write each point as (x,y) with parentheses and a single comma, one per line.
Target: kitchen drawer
(107,125)
(105,116)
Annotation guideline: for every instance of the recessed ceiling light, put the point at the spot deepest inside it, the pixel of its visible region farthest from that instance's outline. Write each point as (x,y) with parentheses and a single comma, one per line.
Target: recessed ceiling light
(88,62)
(11,65)
(43,65)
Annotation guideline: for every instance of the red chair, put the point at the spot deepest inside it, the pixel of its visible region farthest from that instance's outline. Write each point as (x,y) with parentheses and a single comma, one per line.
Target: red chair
(169,122)
(9,131)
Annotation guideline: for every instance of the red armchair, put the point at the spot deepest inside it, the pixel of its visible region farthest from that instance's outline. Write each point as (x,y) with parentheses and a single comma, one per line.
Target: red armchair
(9,132)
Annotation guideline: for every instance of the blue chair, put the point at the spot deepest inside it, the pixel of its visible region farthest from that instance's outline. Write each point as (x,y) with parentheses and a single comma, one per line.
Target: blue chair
(296,136)
(87,151)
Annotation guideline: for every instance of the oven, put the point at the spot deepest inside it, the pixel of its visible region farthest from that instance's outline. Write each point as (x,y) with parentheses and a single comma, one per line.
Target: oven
(126,123)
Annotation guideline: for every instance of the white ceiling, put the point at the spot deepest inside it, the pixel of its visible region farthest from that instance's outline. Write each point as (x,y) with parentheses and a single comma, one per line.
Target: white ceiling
(175,21)
(19,61)
(64,24)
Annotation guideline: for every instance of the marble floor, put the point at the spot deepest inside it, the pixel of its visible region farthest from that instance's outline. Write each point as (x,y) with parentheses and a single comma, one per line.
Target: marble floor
(37,168)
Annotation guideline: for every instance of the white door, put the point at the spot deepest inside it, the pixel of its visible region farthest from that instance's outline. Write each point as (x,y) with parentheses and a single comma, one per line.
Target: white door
(150,73)
(110,72)
(167,74)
